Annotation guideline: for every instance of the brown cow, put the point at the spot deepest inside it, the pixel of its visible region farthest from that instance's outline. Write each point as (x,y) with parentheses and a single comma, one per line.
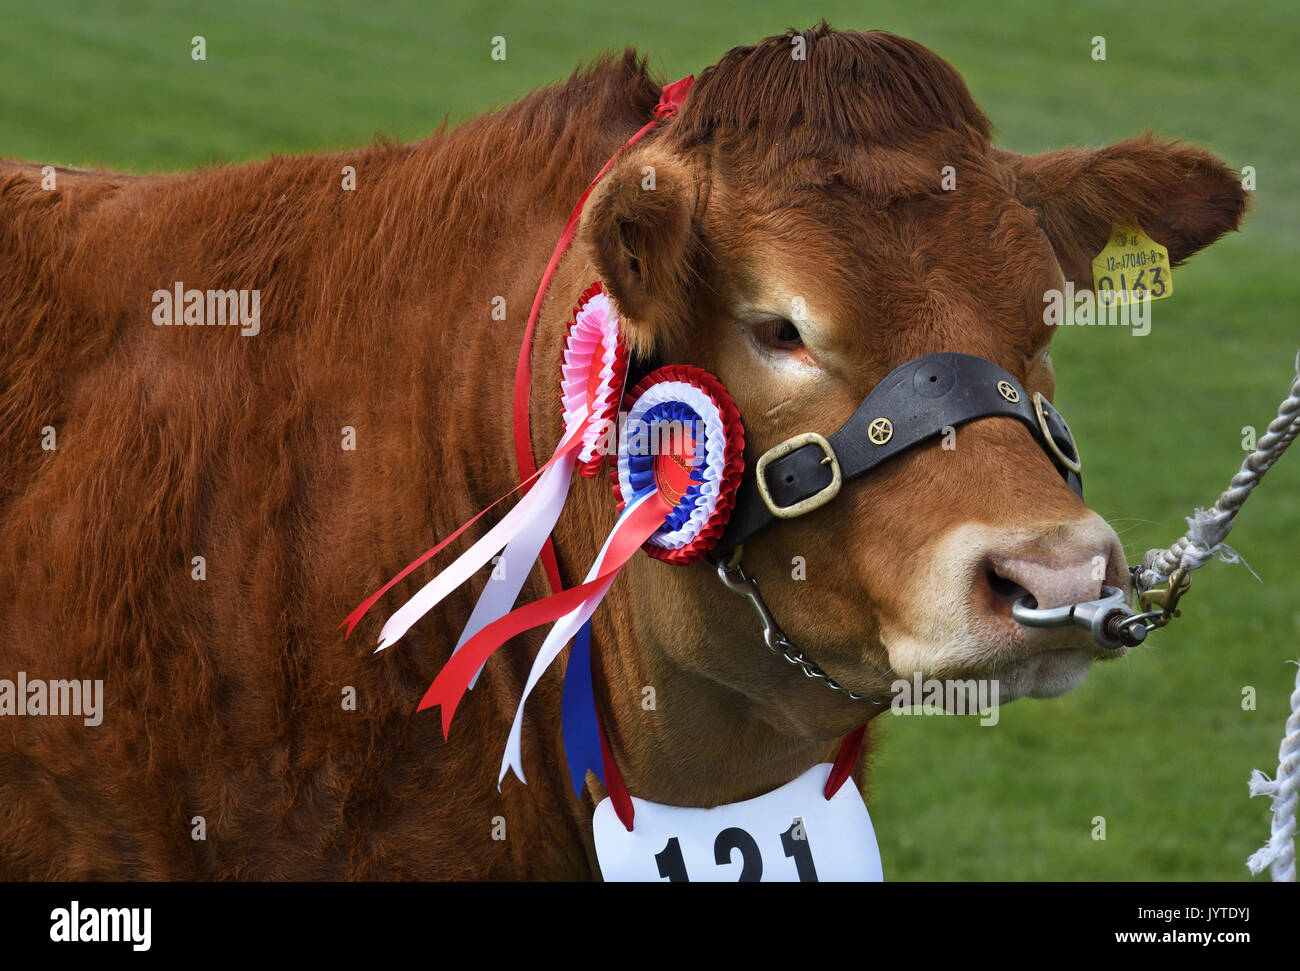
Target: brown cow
(132,448)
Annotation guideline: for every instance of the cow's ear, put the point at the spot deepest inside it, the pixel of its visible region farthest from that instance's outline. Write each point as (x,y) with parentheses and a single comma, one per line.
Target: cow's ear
(1180,195)
(641,231)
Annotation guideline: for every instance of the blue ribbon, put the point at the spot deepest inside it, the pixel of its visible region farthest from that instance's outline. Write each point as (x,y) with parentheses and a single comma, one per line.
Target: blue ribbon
(578,714)
(578,700)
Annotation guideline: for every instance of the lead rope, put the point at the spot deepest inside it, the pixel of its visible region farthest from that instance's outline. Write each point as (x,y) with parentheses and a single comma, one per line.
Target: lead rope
(1203,541)
(1207,529)
(1279,852)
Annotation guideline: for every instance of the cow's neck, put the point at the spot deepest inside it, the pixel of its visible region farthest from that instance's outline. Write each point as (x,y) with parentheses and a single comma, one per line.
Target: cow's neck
(682,738)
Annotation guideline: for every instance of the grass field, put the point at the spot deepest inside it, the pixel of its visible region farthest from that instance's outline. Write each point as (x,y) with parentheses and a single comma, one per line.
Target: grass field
(1157,744)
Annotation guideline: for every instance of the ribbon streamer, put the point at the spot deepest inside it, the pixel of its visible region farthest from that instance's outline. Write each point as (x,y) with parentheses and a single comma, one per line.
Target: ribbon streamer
(499,595)
(593,372)
(578,714)
(560,634)
(354,618)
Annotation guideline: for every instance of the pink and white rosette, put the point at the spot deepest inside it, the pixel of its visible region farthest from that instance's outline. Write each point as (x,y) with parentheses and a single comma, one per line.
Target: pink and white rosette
(592,374)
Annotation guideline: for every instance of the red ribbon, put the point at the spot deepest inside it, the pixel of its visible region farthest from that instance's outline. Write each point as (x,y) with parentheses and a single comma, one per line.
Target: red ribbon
(850,744)
(615,787)
(670,99)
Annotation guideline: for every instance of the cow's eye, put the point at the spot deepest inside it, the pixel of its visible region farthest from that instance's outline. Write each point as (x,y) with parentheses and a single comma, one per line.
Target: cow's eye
(778,333)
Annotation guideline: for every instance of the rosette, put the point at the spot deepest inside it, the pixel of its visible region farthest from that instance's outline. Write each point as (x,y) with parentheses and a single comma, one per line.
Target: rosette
(592,372)
(683,438)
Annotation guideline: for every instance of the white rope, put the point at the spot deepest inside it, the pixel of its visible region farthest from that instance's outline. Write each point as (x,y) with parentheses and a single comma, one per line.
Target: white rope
(1207,529)
(1203,541)
(1279,852)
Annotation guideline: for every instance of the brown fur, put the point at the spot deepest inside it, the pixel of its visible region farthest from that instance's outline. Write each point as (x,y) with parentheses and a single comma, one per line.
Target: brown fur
(223,696)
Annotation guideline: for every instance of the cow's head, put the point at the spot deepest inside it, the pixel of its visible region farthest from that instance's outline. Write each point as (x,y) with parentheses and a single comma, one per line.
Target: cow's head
(813,223)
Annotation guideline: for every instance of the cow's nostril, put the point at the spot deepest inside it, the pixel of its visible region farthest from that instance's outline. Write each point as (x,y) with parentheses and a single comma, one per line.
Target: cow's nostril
(1045,568)
(1008,589)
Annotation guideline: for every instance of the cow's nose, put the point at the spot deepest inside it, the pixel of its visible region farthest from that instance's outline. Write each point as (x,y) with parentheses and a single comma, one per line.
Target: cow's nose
(1058,566)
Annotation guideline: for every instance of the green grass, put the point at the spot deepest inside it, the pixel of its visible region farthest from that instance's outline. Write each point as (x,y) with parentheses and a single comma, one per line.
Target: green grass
(1158,744)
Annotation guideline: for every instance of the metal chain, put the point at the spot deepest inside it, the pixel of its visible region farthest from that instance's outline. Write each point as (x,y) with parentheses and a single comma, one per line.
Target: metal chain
(811,670)
(734,579)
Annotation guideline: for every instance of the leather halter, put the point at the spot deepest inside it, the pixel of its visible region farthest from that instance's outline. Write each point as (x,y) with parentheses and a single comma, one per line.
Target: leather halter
(914,403)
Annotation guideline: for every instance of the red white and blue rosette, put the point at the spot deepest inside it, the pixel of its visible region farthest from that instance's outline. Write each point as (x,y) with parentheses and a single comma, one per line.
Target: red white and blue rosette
(592,373)
(683,439)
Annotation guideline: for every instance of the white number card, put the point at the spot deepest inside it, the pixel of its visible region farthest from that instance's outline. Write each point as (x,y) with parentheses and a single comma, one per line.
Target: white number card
(791,833)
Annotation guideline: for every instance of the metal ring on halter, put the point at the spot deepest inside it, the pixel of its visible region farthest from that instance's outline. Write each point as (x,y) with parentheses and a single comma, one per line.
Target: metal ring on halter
(1109,619)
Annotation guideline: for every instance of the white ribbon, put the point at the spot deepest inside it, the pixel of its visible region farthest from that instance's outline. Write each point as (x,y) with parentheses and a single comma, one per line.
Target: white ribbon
(499,596)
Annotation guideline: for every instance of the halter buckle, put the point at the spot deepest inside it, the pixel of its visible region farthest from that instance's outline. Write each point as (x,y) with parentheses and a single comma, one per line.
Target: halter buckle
(817,499)
(1042,408)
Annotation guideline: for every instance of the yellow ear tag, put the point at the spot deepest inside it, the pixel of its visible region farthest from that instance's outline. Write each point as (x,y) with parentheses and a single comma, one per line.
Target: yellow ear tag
(1133,266)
